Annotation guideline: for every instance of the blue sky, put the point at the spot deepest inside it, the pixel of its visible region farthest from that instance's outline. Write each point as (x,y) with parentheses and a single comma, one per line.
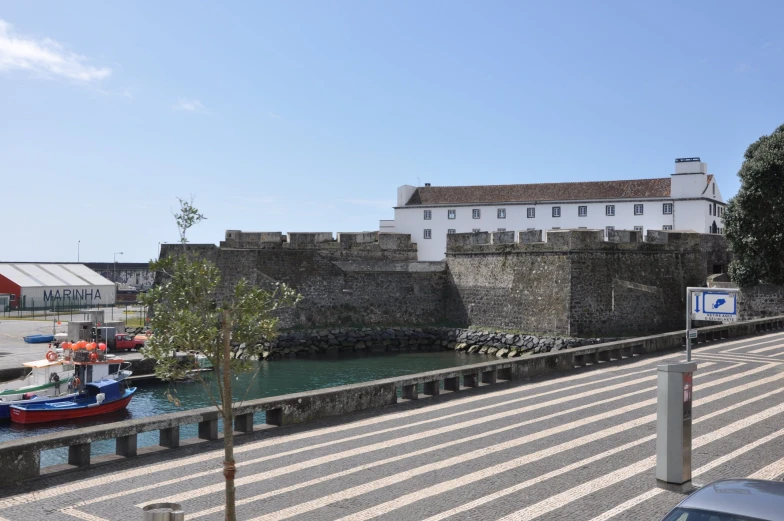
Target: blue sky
(306,116)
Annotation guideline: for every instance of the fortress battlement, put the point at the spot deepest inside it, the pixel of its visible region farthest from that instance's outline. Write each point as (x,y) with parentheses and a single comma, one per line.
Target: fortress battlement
(361,241)
(579,239)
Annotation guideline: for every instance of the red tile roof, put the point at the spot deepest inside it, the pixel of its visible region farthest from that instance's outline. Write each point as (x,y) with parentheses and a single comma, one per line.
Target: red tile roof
(631,189)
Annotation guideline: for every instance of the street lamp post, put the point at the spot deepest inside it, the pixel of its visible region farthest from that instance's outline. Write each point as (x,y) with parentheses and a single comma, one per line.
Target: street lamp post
(78,247)
(115,278)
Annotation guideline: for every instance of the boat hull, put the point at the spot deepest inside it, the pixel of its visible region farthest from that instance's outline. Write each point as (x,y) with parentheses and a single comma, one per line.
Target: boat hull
(5,407)
(28,416)
(39,339)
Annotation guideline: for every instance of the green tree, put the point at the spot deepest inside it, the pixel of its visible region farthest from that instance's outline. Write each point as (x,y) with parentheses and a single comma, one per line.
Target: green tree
(754,221)
(191,312)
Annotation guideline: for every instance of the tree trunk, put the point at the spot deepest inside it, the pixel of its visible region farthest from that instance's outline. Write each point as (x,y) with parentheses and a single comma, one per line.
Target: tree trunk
(228,423)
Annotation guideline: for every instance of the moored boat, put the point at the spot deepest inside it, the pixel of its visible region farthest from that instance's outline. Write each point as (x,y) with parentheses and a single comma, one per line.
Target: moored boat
(98,398)
(55,378)
(39,339)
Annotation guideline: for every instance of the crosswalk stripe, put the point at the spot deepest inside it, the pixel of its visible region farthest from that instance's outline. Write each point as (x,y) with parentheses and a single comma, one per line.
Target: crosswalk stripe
(82,515)
(747,342)
(626,505)
(559,500)
(772,471)
(396,478)
(736,358)
(267,443)
(766,349)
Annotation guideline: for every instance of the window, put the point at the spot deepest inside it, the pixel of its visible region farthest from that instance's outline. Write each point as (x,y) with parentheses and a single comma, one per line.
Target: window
(582,211)
(531,213)
(710,209)
(451,214)
(609,210)
(608,231)
(714,188)
(476,230)
(667,227)
(428,234)
(12,297)
(477,213)
(667,208)
(556,211)
(450,231)
(428,215)
(637,209)
(501,229)
(638,229)
(502,213)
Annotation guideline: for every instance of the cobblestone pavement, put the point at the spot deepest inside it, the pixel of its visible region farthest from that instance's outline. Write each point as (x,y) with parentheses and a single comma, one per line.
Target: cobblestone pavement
(575,447)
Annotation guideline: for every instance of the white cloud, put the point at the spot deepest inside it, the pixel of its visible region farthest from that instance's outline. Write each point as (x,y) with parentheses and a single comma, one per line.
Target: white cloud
(189,105)
(45,57)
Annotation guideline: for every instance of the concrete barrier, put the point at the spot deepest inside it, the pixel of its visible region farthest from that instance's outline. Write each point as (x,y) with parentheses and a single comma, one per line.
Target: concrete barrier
(21,459)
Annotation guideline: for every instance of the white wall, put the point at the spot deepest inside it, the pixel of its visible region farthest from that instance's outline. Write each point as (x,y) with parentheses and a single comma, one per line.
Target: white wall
(688,185)
(411,220)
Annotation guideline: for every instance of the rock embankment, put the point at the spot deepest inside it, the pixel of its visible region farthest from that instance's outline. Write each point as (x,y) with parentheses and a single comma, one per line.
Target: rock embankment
(331,341)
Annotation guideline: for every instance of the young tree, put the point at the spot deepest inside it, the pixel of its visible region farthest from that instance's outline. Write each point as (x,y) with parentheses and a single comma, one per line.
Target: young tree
(754,221)
(191,312)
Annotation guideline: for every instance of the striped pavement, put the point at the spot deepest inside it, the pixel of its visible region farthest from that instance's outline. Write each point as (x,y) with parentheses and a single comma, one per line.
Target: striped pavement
(576,447)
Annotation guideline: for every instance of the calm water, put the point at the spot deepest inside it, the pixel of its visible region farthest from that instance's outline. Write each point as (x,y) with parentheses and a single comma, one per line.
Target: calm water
(275,378)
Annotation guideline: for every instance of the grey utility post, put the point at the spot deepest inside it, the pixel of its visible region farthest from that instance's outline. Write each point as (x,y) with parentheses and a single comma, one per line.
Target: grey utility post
(673,423)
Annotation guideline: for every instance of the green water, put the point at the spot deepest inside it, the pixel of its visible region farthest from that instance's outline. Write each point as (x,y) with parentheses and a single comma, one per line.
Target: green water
(274,378)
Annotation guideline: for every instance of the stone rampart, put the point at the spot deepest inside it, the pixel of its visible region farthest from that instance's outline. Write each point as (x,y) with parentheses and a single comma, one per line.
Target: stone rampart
(763,300)
(363,278)
(577,283)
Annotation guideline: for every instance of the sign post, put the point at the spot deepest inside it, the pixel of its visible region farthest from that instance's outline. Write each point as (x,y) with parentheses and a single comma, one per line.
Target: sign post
(711,305)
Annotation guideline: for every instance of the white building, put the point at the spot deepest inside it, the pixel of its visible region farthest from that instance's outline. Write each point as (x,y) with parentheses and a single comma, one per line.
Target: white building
(687,200)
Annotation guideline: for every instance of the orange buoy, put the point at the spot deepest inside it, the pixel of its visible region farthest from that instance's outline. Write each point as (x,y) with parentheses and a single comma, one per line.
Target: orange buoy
(91,346)
(81,344)
(93,356)
(51,356)
(102,346)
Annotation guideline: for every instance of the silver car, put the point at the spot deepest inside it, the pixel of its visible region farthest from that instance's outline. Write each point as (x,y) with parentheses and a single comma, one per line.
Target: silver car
(733,500)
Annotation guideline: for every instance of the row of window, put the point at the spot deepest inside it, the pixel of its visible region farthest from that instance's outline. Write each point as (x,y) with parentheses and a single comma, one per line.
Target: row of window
(582,211)
(429,233)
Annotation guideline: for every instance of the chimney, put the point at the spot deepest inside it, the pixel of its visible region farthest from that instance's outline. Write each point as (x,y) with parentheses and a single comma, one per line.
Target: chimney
(427,184)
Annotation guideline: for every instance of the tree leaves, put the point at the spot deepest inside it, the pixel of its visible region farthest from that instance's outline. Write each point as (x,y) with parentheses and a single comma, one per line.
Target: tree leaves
(754,220)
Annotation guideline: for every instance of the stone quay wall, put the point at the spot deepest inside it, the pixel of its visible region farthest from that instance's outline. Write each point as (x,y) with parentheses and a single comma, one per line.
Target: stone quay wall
(394,339)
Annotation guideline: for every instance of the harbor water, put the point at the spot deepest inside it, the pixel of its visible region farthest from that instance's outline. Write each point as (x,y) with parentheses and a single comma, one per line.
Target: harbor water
(273,379)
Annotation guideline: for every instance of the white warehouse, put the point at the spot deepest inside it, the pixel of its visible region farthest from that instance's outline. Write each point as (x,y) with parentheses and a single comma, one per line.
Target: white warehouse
(687,200)
(30,285)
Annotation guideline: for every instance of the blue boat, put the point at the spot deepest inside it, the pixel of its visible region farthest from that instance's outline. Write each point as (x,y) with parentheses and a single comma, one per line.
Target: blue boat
(5,407)
(98,398)
(39,339)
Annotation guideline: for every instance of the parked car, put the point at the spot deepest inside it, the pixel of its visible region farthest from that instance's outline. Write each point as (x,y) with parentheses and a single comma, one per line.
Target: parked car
(733,500)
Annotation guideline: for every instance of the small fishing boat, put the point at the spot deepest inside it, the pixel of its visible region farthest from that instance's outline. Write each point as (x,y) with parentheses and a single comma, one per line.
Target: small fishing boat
(53,378)
(39,339)
(98,398)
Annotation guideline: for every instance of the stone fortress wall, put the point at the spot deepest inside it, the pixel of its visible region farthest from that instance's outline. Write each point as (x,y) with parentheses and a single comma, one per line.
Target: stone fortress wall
(574,284)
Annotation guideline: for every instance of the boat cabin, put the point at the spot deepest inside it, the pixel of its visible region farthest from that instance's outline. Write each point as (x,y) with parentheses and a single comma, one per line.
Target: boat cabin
(42,371)
(110,389)
(96,371)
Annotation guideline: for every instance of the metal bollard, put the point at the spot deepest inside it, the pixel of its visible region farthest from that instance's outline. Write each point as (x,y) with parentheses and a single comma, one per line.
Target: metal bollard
(163,512)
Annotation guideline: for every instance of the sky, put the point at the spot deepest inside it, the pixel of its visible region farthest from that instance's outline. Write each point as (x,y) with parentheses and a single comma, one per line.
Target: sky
(307,115)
